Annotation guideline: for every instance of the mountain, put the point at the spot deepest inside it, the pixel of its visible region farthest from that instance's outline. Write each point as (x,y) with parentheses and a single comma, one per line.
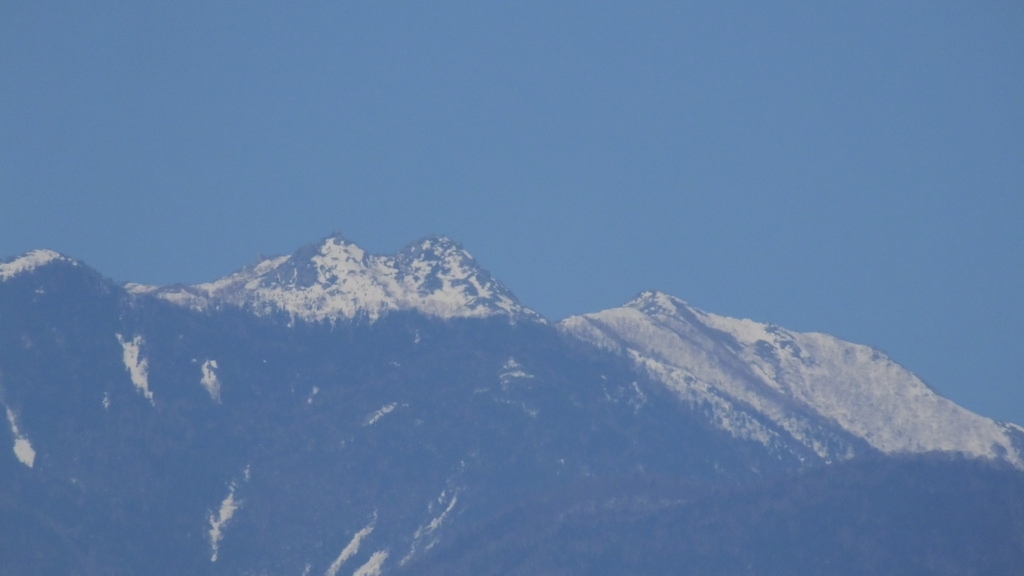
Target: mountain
(764,382)
(337,412)
(337,280)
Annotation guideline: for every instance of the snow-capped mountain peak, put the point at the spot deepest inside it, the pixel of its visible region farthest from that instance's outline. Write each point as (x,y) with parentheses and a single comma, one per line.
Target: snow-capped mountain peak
(337,279)
(30,261)
(765,383)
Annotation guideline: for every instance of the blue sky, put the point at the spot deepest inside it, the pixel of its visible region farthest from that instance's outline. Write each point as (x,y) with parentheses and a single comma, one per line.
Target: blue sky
(853,168)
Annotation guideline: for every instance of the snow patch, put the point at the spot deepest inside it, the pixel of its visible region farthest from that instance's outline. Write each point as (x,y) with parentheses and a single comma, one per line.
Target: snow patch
(136,365)
(228,507)
(139,289)
(426,532)
(373,565)
(210,381)
(373,418)
(29,262)
(22,447)
(639,398)
(512,371)
(351,548)
(723,412)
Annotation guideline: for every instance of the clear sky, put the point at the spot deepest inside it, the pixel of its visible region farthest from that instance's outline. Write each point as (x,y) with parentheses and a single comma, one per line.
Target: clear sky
(855,168)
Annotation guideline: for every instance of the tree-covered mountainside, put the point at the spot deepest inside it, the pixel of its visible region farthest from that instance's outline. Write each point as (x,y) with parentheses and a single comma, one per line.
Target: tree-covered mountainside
(927,514)
(232,428)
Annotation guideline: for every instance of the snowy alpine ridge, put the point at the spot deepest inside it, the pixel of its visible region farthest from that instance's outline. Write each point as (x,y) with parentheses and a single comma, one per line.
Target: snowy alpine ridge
(762,382)
(809,394)
(337,412)
(338,280)
(29,262)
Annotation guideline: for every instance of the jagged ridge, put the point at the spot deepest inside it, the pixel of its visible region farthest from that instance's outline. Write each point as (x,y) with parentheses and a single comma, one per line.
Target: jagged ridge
(337,279)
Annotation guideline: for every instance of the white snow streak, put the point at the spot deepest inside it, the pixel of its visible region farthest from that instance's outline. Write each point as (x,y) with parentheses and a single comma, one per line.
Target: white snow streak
(210,381)
(434,524)
(227,509)
(373,565)
(639,398)
(351,548)
(136,365)
(29,262)
(426,532)
(373,418)
(22,447)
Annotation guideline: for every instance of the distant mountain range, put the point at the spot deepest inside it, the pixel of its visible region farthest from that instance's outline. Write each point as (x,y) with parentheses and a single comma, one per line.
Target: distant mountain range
(338,412)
